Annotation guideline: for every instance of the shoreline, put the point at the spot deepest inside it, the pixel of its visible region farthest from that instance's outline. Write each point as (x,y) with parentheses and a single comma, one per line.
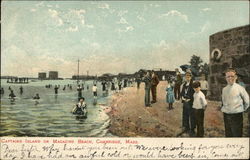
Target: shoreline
(130,118)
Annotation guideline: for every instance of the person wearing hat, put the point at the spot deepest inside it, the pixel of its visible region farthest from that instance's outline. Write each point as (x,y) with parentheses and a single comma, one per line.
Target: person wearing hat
(177,84)
(154,83)
(204,84)
(187,92)
(80,107)
(147,80)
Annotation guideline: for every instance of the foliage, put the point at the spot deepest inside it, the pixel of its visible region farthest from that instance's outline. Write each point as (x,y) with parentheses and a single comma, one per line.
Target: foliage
(204,69)
(196,64)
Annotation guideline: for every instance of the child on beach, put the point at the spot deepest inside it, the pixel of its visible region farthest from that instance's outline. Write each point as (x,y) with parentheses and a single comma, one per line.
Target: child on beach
(170,95)
(199,106)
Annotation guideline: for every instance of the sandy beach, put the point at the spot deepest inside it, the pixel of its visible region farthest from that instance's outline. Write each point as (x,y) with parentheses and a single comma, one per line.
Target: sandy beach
(130,118)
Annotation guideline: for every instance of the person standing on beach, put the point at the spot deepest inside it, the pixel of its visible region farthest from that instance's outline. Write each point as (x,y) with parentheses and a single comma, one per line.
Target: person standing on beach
(112,86)
(154,83)
(204,84)
(170,95)
(120,84)
(178,82)
(235,101)
(125,83)
(187,92)
(199,107)
(147,80)
(138,81)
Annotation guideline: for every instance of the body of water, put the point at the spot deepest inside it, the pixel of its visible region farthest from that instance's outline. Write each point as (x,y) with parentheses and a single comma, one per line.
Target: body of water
(51,116)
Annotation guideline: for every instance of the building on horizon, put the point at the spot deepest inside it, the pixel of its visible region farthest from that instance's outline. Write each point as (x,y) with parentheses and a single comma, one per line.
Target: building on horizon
(83,77)
(53,75)
(42,75)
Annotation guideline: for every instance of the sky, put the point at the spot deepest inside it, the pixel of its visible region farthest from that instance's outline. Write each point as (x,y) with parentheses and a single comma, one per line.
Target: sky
(110,36)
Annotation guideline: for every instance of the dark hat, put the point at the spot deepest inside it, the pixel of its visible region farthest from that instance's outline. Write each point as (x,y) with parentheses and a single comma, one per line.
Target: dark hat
(82,98)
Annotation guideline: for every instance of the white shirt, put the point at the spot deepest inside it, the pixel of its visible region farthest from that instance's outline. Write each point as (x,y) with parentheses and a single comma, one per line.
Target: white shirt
(204,85)
(83,105)
(199,100)
(94,88)
(235,99)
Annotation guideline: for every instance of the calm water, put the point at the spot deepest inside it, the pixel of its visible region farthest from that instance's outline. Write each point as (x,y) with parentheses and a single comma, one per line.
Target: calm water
(52,116)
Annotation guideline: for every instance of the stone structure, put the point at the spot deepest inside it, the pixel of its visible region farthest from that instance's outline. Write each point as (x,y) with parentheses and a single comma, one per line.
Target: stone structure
(229,48)
(53,75)
(41,75)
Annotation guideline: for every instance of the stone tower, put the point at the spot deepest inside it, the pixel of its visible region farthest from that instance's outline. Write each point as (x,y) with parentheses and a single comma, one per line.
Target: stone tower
(229,48)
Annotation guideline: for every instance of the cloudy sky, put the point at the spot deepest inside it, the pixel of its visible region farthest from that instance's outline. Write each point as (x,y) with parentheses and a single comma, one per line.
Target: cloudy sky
(110,36)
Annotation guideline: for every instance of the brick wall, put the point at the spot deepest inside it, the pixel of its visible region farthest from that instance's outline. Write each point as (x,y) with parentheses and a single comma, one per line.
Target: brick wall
(231,47)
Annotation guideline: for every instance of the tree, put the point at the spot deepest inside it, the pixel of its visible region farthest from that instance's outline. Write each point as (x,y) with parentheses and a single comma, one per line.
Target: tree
(204,69)
(196,62)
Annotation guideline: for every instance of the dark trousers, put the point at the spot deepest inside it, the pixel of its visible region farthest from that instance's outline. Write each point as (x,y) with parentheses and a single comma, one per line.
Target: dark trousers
(147,97)
(199,119)
(138,85)
(177,91)
(188,116)
(153,92)
(233,124)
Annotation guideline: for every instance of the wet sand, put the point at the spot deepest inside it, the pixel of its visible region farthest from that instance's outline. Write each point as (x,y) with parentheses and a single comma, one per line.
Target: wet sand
(130,118)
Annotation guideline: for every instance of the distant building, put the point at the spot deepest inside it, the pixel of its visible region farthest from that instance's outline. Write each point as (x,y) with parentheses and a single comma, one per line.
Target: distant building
(53,75)
(83,77)
(41,75)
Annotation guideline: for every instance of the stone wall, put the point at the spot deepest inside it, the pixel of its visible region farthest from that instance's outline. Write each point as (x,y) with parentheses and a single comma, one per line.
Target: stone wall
(228,48)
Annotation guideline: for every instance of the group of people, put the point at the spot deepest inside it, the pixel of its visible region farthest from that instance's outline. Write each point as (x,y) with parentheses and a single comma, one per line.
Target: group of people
(80,108)
(192,93)
(151,81)
(18,80)
(115,85)
(235,101)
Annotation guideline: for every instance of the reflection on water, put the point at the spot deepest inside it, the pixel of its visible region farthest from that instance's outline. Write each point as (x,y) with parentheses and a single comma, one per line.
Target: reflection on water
(51,116)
